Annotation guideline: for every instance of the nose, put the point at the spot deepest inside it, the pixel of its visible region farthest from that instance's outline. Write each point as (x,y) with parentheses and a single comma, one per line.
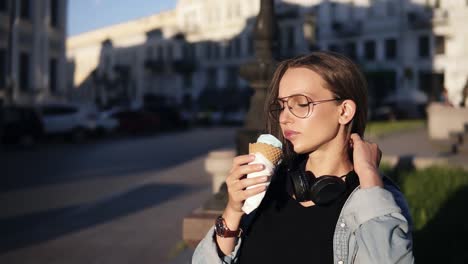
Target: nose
(285,116)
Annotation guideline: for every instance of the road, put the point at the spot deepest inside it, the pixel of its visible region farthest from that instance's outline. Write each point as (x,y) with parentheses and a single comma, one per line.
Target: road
(111,201)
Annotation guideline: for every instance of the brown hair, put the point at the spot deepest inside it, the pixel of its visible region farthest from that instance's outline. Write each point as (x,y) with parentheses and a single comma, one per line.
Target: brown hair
(342,77)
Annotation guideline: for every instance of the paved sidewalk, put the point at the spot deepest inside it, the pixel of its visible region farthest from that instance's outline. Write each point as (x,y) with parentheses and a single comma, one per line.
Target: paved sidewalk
(416,144)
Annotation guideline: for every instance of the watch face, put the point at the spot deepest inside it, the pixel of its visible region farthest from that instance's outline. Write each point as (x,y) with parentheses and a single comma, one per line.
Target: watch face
(220,227)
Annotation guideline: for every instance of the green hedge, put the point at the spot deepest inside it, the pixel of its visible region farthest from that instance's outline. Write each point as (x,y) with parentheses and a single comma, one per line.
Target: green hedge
(438,200)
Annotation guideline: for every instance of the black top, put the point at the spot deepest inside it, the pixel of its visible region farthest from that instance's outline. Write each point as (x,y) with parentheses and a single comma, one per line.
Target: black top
(283,231)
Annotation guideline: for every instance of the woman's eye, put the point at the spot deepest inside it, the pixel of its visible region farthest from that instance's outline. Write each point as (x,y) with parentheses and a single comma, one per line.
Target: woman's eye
(302,105)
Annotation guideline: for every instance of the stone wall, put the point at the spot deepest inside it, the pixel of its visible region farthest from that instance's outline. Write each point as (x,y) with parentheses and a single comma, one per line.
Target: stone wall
(444,120)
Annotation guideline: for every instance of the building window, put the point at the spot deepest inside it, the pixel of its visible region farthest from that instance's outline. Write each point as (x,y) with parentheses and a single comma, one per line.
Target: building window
(350,50)
(371,8)
(187,79)
(369,50)
(440,45)
(333,11)
(169,53)
(290,38)
(54,19)
(228,51)
(423,43)
(217,51)
(4,6)
(24,71)
(25,9)
(211,79)
(53,75)
(3,68)
(232,77)
(391,8)
(334,48)
(208,51)
(159,52)
(390,49)
(237,9)
(250,43)
(237,47)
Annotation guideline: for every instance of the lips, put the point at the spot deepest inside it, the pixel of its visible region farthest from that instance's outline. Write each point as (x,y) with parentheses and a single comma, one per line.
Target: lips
(290,134)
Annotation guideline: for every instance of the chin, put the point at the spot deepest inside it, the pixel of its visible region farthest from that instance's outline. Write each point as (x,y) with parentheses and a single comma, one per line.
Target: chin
(301,149)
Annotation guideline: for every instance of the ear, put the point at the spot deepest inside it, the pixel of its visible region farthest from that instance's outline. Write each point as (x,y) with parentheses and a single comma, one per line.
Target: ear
(347,111)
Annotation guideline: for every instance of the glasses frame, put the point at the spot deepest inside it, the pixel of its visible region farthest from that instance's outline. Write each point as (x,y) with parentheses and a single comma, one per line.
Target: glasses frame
(309,102)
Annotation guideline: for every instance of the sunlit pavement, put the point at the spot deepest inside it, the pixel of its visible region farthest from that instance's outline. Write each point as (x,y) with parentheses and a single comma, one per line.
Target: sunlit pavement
(119,201)
(123,201)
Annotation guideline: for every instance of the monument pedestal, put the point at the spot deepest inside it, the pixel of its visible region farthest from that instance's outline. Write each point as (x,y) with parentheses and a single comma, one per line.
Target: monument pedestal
(197,224)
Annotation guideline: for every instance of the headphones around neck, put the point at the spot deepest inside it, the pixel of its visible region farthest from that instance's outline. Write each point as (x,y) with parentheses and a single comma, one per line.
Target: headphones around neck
(321,190)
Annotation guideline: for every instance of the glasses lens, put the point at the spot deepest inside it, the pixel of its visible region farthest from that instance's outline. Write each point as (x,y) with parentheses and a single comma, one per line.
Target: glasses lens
(275,109)
(299,105)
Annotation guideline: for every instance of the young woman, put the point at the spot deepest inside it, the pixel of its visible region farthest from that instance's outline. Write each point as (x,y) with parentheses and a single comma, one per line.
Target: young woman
(326,202)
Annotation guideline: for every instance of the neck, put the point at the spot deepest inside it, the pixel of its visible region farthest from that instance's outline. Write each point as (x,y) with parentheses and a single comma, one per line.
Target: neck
(330,159)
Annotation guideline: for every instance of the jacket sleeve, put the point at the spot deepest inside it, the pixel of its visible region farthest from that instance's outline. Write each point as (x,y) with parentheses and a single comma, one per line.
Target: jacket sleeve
(382,227)
(207,252)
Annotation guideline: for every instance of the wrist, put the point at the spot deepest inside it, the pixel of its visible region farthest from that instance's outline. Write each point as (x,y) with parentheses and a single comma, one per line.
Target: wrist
(370,178)
(232,218)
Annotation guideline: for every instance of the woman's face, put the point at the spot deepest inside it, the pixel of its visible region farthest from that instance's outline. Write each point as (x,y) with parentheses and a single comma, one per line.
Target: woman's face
(321,125)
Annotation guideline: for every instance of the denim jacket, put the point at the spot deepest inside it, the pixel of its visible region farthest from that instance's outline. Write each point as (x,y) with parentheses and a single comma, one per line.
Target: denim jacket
(374,226)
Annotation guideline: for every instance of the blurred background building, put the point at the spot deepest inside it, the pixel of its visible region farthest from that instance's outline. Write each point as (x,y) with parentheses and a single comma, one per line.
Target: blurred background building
(32,51)
(189,57)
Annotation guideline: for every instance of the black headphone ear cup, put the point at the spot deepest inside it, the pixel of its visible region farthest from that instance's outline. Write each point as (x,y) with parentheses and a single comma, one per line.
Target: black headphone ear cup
(326,189)
(301,185)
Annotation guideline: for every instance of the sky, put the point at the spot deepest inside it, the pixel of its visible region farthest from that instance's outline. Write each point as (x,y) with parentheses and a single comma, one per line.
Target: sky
(87,15)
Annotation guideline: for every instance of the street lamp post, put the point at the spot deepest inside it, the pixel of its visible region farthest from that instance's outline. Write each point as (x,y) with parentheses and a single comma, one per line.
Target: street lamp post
(258,73)
(11,77)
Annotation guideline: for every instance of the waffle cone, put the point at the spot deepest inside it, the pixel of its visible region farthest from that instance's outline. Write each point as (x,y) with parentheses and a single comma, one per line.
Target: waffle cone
(273,154)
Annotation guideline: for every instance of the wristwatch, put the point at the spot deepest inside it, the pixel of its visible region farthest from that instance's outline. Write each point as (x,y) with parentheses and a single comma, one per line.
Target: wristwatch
(223,230)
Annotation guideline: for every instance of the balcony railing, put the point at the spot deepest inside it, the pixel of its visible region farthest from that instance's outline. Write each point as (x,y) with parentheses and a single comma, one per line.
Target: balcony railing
(347,29)
(155,65)
(428,19)
(186,65)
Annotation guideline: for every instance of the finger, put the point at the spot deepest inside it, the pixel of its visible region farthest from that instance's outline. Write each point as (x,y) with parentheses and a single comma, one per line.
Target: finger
(379,157)
(243,170)
(356,138)
(251,192)
(248,182)
(243,159)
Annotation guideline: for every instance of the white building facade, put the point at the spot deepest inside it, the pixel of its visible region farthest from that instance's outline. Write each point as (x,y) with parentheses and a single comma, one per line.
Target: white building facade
(417,44)
(409,50)
(36,52)
(180,55)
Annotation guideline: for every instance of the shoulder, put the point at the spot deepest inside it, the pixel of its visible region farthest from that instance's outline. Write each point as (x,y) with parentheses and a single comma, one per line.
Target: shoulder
(368,203)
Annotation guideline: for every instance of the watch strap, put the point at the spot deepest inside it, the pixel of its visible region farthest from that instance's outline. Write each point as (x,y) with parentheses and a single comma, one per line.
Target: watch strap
(223,230)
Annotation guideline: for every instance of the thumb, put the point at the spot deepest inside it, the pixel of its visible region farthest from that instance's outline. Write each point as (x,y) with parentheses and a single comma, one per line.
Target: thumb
(355,138)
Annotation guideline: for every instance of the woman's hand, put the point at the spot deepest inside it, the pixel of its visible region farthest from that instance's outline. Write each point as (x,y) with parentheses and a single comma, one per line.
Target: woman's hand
(366,160)
(237,183)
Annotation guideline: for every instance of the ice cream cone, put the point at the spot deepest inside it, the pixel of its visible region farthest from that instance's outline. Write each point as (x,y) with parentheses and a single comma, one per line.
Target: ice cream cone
(273,154)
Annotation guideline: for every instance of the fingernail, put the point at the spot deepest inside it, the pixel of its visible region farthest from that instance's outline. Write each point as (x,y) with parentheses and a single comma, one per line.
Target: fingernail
(261,166)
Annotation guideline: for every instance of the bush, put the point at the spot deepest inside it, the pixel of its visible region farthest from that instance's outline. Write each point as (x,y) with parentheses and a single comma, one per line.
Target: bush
(437,198)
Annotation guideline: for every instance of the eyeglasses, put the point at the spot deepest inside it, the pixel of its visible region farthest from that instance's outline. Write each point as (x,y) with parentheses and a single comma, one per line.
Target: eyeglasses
(298,104)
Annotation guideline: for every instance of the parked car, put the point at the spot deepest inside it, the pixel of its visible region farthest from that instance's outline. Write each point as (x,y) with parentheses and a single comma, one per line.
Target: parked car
(170,118)
(20,125)
(135,122)
(71,120)
(105,123)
